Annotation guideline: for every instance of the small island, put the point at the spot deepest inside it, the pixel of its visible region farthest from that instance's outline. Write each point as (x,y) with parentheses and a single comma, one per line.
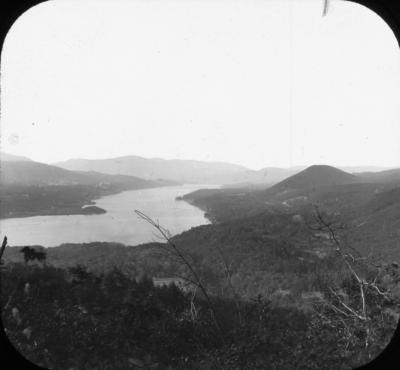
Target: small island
(92,210)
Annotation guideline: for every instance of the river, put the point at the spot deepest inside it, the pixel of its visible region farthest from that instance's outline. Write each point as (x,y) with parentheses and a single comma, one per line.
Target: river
(119,224)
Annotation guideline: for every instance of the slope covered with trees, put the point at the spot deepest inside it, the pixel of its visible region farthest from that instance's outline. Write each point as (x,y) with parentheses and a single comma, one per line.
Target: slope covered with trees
(278,283)
(71,318)
(31,188)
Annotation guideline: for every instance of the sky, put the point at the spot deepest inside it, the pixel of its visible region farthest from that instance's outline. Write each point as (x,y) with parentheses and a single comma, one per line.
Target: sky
(253,82)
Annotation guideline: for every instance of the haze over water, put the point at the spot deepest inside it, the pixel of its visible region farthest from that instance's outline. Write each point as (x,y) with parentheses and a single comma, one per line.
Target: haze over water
(119,224)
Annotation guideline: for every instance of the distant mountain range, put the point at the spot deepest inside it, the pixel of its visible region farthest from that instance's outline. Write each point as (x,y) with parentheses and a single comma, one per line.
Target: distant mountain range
(388,176)
(35,173)
(267,176)
(188,171)
(183,171)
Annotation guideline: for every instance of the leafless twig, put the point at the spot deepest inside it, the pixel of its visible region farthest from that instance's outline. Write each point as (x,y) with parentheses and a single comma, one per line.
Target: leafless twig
(182,257)
(3,247)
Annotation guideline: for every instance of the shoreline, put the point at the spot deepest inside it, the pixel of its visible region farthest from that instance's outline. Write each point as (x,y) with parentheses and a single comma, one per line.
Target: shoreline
(46,225)
(57,213)
(206,211)
(74,210)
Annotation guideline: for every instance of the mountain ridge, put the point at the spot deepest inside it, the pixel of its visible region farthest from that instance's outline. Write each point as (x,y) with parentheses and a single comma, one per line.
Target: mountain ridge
(36,173)
(199,171)
(189,171)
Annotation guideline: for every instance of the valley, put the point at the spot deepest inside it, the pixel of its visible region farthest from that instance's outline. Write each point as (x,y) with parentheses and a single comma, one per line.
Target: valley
(294,249)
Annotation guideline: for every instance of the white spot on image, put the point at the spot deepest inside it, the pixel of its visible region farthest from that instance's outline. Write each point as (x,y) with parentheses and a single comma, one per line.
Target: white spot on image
(13,139)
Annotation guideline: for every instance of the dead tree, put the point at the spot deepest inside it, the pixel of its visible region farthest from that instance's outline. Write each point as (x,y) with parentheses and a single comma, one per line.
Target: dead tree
(177,254)
(228,276)
(347,254)
(354,263)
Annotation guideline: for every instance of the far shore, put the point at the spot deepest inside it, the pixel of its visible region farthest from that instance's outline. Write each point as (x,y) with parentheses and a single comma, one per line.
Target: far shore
(86,206)
(87,211)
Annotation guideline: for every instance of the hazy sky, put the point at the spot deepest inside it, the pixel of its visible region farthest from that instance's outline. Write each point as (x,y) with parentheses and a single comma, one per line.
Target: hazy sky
(254,82)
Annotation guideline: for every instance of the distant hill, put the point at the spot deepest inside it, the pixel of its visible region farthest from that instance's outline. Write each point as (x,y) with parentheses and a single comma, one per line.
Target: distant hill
(35,173)
(355,170)
(313,183)
(370,210)
(312,178)
(265,176)
(388,176)
(32,189)
(12,158)
(185,171)
(271,175)
(182,170)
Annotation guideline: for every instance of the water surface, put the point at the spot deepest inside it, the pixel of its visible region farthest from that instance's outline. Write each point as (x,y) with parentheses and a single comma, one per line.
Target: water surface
(119,224)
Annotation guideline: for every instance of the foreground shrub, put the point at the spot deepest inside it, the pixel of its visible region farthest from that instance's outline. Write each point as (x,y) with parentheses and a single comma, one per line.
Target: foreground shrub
(73,319)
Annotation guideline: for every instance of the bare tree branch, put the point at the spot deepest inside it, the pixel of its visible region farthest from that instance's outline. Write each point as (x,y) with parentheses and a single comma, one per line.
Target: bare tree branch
(3,247)
(228,275)
(327,226)
(196,278)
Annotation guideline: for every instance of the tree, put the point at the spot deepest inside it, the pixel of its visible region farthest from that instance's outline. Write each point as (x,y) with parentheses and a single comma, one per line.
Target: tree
(356,307)
(31,254)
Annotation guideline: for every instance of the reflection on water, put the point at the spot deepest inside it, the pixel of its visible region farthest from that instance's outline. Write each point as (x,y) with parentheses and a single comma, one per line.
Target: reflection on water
(119,224)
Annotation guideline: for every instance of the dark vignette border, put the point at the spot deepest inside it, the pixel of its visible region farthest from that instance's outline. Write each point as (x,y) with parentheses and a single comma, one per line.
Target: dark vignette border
(388,10)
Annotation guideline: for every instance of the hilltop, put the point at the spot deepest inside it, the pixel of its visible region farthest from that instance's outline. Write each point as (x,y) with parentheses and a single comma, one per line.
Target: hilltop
(226,204)
(313,178)
(370,210)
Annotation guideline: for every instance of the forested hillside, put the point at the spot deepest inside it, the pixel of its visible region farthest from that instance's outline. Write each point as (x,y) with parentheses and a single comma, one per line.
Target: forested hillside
(310,280)
(295,320)
(31,188)
(370,211)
